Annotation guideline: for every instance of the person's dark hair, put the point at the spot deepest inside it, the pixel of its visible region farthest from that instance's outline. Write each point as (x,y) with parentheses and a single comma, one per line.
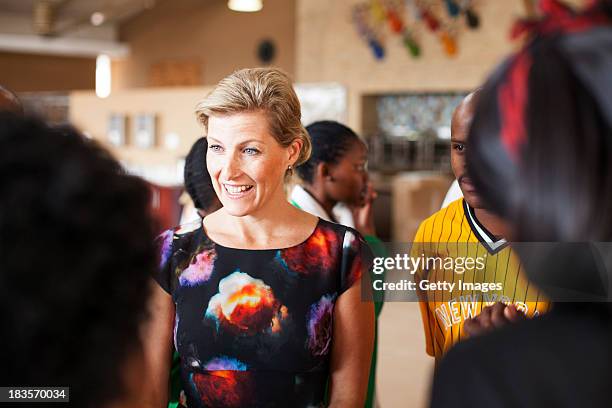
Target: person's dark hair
(330,140)
(541,138)
(197,179)
(76,256)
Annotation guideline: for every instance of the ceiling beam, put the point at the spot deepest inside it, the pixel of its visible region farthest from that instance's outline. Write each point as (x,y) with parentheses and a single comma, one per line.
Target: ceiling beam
(31,44)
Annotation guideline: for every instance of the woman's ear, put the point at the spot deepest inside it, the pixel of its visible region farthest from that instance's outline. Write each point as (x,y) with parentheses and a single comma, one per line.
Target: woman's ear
(320,171)
(323,172)
(294,150)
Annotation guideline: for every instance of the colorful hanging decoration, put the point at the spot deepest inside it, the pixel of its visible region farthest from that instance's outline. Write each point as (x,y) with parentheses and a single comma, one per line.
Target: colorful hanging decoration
(361,14)
(409,38)
(395,21)
(430,20)
(449,44)
(398,26)
(378,11)
(404,17)
(377,48)
(413,10)
(453,8)
(472,19)
(411,44)
(425,14)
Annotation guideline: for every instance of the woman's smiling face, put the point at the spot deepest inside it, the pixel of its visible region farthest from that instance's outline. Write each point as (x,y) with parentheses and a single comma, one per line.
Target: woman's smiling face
(246,163)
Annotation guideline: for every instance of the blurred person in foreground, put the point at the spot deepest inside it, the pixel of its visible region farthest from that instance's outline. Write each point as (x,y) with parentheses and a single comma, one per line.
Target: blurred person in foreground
(9,102)
(76,259)
(540,147)
(265,299)
(466,228)
(335,186)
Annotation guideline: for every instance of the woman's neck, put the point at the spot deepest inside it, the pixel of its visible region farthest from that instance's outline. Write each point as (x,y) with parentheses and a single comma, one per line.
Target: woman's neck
(276,224)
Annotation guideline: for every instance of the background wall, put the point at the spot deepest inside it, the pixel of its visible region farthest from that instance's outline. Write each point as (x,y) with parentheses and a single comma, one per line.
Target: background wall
(174,108)
(329,49)
(206,31)
(35,73)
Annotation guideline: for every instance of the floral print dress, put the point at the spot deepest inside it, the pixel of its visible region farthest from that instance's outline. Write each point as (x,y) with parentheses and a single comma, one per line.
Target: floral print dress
(253,328)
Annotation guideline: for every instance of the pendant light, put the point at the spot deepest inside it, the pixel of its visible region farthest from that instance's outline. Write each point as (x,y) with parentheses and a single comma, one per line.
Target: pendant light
(248,6)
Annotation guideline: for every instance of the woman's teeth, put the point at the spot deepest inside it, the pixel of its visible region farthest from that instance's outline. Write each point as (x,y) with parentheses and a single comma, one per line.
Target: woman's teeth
(237,189)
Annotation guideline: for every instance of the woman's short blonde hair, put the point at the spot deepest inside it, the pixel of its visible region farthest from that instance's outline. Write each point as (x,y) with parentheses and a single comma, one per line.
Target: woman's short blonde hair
(259,89)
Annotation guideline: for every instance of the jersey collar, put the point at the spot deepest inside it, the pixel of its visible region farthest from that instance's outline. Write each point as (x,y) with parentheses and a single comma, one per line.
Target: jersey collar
(492,244)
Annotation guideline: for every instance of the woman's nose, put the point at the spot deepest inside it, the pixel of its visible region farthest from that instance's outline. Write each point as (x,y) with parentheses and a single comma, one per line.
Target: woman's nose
(231,167)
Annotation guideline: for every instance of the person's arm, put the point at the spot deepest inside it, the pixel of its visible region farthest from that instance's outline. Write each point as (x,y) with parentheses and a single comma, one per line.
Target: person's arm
(353,341)
(157,344)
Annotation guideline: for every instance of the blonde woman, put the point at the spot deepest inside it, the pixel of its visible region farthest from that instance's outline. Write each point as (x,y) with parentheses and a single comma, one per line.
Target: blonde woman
(265,299)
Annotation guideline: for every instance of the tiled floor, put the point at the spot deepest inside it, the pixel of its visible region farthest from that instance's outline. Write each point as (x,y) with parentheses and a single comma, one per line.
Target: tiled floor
(404,369)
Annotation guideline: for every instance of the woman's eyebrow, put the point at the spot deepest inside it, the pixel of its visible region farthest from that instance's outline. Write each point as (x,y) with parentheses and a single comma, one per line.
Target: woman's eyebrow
(249,141)
(241,143)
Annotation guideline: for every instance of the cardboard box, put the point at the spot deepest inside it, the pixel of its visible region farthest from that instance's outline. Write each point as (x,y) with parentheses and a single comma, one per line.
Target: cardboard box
(415,196)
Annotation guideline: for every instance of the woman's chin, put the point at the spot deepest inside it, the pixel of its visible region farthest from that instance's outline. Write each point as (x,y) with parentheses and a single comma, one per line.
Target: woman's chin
(238,212)
(238,209)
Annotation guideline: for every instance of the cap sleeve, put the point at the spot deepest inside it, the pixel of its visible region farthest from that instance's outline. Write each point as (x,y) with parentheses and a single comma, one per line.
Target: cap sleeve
(165,247)
(356,259)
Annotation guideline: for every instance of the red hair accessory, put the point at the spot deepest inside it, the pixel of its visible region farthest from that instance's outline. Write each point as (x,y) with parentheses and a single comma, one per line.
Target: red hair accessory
(512,99)
(513,94)
(560,18)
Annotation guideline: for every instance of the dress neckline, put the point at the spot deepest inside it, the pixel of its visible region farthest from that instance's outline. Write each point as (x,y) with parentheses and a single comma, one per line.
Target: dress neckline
(316,227)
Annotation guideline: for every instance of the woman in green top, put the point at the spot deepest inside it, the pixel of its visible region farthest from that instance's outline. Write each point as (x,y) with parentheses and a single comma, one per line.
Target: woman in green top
(335,186)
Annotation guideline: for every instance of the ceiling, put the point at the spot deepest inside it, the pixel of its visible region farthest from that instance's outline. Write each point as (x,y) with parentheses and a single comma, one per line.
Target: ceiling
(64,27)
(72,13)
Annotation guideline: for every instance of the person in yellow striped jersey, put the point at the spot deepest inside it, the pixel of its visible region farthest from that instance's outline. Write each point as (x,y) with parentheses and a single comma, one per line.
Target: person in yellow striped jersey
(464,229)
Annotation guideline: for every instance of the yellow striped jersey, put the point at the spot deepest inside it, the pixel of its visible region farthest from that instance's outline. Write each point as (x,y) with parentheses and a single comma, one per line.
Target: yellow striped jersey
(454,232)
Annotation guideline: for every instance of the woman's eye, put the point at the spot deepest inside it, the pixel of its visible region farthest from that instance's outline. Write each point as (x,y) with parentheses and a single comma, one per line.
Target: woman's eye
(459,147)
(214,148)
(251,151)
